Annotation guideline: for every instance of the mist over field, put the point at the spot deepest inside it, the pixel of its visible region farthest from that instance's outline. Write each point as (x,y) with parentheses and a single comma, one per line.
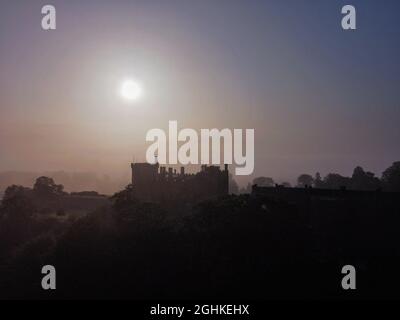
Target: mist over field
(72,181)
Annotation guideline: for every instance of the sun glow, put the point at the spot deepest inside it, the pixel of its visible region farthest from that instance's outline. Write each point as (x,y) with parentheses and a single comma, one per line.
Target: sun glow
(131,90)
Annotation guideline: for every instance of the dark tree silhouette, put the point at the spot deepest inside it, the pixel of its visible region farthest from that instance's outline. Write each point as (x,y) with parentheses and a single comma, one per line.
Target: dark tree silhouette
(264,182)
(391,177)
(246,190)
(286,184)
(362,180)
(305,180)
(318,183)
(248,243)
(17,204)
(144,216)
(336,181)
(123,198)
(46,187)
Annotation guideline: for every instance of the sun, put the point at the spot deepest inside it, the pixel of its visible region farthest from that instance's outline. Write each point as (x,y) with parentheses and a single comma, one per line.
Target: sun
(131,90)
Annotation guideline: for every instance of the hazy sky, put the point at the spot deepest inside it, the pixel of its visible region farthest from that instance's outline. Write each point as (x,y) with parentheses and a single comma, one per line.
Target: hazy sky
(320,98)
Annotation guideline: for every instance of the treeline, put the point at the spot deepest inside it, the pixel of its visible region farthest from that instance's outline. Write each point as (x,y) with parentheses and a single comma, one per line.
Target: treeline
(72,181)
(28,213)
(234,247)
(360,180)
(44,198)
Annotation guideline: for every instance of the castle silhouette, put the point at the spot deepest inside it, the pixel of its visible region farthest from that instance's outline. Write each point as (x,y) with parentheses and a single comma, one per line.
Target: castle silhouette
(155,183)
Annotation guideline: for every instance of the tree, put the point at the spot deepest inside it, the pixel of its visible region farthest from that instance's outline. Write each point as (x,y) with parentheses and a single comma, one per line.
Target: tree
(246,190)
(17,204)
(362,180)
(318,183)
(305,180)
(391,177)
(14,191)
(264,182)
(336,181)
(45,187)
(123,198)
(142,215)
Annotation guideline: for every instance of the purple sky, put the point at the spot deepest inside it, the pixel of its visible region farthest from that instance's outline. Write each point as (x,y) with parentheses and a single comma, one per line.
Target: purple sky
(320,98)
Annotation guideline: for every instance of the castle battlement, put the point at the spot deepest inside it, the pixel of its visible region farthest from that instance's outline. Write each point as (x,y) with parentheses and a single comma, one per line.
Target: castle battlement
(155,183)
